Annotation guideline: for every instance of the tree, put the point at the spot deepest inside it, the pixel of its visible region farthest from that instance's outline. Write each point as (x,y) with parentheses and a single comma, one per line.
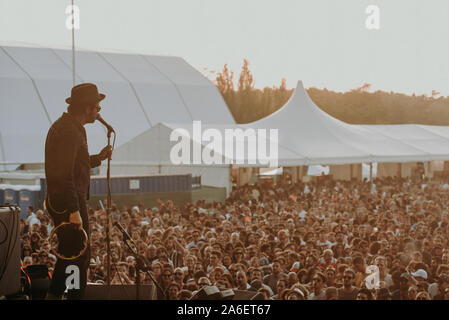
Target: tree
(246,80)
(246,97)
(224,81)
(357,106)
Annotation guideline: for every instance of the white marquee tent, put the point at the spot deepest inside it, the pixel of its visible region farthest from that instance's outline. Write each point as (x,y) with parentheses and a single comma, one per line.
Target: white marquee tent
(322,139)
(141,91)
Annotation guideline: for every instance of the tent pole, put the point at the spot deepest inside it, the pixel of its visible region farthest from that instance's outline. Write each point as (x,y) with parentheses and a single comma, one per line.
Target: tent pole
(73,42)
(230,180)
(370,171)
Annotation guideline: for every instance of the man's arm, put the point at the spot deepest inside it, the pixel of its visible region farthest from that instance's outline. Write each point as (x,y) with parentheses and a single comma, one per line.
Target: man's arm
(95,160)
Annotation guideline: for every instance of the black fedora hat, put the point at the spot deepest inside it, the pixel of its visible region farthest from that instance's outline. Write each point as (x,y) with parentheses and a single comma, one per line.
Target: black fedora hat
(84,93)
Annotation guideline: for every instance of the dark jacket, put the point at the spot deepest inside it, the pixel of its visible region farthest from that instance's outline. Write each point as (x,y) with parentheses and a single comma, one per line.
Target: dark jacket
(67,165)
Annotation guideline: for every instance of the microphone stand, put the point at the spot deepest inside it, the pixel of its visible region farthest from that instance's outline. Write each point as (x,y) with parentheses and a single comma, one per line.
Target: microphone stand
(108,211)
(108,206)
(141,264)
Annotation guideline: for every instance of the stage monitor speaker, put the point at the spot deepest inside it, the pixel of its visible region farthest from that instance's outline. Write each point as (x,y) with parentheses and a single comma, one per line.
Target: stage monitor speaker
(227,294)
(214,293)
(9,250)
(208,293)
(120,292)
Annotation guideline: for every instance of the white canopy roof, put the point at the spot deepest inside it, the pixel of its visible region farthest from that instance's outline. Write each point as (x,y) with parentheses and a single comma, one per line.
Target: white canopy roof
(141,91)
(442,131)
(416,136)
(380,147)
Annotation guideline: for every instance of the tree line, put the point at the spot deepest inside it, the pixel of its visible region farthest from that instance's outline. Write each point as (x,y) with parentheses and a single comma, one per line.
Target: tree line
(357,106)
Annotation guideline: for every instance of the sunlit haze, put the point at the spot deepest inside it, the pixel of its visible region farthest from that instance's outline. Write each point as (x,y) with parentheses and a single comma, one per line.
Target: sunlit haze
(325,43)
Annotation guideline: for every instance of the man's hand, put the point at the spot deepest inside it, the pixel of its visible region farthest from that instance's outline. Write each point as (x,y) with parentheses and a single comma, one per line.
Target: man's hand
(105,153)
(75,218)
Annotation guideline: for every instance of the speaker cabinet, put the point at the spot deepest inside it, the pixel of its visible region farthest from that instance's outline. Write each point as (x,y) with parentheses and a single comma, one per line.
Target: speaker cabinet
(9,250)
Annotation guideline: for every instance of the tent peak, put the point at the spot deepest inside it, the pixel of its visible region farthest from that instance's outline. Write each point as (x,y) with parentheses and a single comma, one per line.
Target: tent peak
(299,85)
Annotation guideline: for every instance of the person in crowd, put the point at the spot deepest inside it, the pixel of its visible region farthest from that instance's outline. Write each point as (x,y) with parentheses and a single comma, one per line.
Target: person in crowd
(442,285)
(402,293)
(422,296)
(364,294)
(318,283)
(412,292)
(348,292)
(360,269)
(165,279)
(179,277)
(241,281)
(272,279)
(331,293)
(215,261)
(256,275)
(184,295)
(173,291)
(281,286)
(31,218)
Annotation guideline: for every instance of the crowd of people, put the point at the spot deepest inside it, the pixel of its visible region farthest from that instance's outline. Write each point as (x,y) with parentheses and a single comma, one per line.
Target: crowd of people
(321,240)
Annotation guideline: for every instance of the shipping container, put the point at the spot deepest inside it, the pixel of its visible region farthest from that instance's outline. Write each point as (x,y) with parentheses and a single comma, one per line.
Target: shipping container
(195,183)
(142,184)
(134,185)
(11,196)
(28,198)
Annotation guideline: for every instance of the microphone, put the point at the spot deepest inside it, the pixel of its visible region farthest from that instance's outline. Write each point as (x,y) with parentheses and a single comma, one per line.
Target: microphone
(99,118)
(122,230)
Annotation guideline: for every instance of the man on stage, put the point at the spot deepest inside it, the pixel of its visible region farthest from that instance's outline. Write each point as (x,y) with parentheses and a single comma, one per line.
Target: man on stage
(67,170)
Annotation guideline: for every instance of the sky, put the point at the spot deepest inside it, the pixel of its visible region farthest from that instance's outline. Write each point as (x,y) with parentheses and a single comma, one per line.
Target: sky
(324,43)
